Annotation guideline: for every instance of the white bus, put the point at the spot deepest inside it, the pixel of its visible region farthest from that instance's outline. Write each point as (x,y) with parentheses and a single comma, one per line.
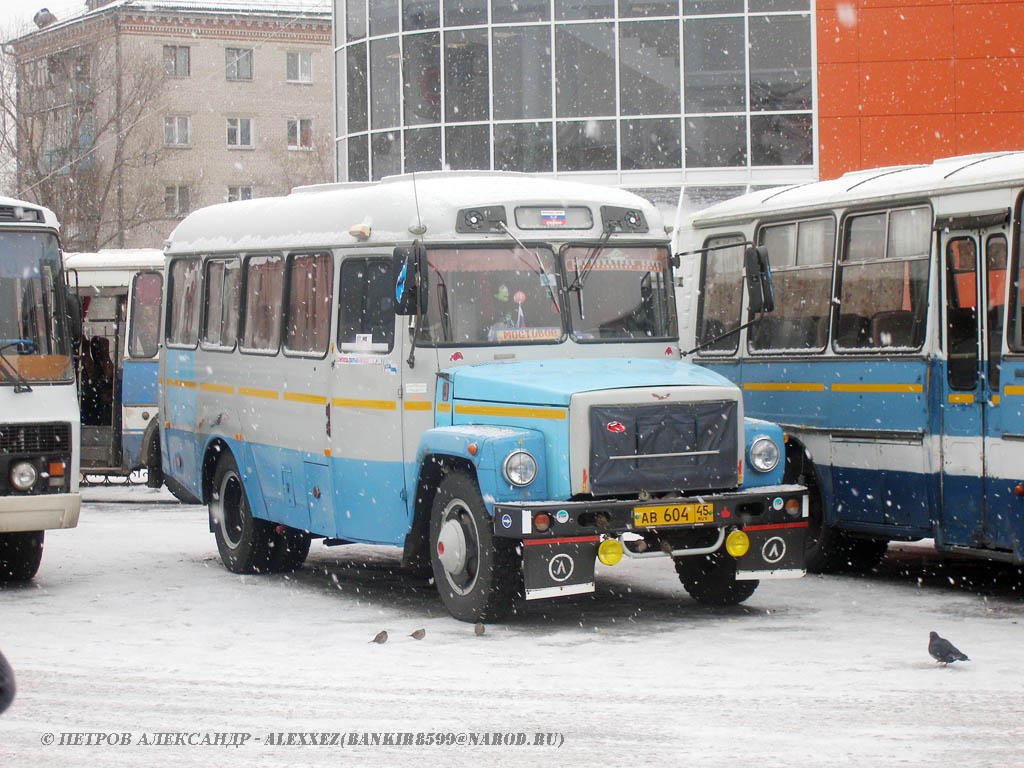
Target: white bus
(482,369)
(39,423)
(895,355)
(119,291)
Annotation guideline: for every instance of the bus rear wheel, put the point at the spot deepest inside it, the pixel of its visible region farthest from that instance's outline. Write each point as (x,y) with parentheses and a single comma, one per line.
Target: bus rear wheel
(245,543)
(476,574)
(20,555)
(711,579)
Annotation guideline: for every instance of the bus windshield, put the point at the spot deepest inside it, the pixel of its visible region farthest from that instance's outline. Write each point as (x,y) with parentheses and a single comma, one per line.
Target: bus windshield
(481,296)
(33,336)
(619,293)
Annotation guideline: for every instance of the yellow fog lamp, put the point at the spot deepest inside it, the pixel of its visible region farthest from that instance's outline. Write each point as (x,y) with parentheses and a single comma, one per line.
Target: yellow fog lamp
(609,552)
(737,543)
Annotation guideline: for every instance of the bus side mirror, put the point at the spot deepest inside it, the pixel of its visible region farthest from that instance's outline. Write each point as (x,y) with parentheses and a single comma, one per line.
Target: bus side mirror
(410,280)
(74,311)
(760,297)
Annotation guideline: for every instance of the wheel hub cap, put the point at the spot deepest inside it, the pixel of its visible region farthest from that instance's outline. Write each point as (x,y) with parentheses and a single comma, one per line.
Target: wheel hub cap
(451,547)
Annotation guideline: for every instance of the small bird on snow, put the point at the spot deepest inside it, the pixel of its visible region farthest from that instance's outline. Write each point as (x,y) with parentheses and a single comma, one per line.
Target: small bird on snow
(382,637)
(944,651)
(419,634)
(478,628)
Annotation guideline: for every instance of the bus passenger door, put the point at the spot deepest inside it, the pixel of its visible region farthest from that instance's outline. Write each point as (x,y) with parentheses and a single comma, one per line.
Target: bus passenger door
(963,398)
(139,379)
(365,416)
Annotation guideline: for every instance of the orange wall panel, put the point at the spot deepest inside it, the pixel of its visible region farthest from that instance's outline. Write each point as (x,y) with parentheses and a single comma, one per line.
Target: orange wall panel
(907,87)
(910,32)
(838,145)
(837,42)
(990,85)
(983,133)
(900,140)
(838,90)
(989,29)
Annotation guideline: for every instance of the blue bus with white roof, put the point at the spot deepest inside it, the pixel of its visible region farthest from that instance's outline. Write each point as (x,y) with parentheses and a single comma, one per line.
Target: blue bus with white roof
(481,369)
(894,358)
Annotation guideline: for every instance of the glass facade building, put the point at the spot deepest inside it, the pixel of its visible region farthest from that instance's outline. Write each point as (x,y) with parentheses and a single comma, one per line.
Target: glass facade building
(713,96)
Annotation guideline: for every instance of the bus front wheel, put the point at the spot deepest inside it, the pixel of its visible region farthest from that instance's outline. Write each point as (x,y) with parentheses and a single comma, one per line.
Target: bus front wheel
(711,579)
(20,555)
(477,575)
(245,543)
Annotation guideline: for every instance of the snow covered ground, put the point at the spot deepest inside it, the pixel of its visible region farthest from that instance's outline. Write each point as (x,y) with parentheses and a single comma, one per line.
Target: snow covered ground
(133,627)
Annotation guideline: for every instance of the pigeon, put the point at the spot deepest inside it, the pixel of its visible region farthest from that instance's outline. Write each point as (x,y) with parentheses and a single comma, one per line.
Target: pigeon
(419,634)
(944,651)
(6,684)
(479,629)
(382,637)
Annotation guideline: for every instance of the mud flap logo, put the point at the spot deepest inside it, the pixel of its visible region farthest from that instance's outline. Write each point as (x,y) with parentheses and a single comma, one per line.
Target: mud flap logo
(560,567)
(773,550)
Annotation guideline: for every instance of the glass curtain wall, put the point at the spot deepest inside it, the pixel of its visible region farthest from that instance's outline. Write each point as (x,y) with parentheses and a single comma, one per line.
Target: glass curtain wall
(625,87)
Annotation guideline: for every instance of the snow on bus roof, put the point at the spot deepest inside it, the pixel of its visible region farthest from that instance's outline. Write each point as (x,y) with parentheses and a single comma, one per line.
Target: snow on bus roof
(49,217)
(322,216)
(115,258)
(943,176)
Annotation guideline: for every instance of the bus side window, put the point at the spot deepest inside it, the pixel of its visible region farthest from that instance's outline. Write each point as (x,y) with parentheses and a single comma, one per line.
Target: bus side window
(143,336)
(308,311)
(995,262)
(366,316)
(264,279)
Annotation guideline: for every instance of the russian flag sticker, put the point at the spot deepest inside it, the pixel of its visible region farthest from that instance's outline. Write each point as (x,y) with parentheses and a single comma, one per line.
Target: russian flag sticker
(552,218)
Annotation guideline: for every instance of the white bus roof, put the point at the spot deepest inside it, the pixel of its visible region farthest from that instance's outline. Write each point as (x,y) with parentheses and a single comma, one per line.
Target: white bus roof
(113,266)
(322,216)
(13,212)
(945,176)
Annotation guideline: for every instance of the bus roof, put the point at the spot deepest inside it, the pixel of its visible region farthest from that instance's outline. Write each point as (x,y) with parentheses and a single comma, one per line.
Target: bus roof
(944,176)
(113,266)
(390,210)
(19,212)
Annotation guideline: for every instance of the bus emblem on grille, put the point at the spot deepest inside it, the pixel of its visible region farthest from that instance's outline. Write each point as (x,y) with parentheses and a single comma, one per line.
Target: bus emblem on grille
(616,426)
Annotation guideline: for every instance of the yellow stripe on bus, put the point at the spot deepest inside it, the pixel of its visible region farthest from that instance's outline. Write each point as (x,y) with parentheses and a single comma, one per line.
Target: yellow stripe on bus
(209,386)
(520,413)
(180,383)
(444,407)
(418,405)
(879,388)
(299,397)
(1013,389)
(783,386)
(266,394)
(380,405)
(961,397)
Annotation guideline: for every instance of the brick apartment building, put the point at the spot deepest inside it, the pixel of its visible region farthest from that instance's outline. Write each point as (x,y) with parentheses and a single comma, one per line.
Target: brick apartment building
(132,113)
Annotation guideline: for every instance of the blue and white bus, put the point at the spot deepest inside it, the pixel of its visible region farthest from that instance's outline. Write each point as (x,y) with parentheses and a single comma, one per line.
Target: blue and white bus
(481,369)
(119,291)
(39,422)
(895,354)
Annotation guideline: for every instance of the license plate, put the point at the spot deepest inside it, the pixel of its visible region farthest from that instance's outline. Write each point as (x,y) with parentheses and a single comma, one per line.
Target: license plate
(673,514)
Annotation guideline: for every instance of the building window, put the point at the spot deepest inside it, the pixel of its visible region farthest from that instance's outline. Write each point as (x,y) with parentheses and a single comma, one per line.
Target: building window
(177,201)
(239,193)
(176,61)
(238,63)
(177,131)
(300,133)
(300,67)
(240,132)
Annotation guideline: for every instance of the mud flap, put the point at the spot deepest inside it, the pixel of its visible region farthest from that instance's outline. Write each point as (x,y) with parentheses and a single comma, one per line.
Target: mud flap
(776,552)
(558,567)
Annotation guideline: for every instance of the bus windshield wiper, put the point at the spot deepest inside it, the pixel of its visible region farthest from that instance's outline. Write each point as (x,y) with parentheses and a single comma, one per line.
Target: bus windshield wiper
(9,370)
(540,265)
(588,265)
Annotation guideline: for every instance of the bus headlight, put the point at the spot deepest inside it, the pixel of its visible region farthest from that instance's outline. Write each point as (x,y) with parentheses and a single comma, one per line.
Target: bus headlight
(520,468)
(764,454)
(24,475)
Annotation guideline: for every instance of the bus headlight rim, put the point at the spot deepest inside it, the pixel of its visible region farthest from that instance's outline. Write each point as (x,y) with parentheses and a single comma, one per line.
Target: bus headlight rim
(764,454)
(519,468)
(24,475)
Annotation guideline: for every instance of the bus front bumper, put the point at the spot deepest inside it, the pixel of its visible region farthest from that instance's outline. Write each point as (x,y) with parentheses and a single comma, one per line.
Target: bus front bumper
(39,512)
(559,558)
